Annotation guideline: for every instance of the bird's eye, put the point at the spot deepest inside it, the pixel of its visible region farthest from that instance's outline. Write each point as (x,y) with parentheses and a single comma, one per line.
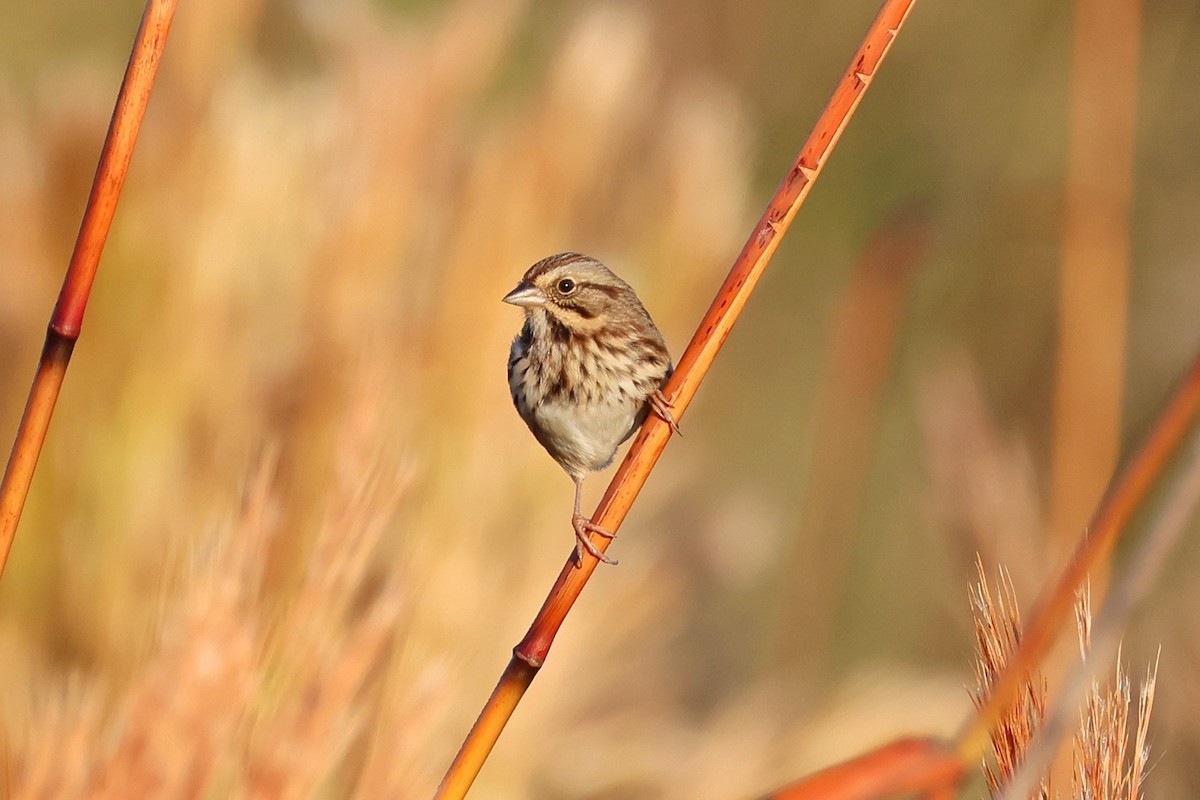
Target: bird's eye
(566,286)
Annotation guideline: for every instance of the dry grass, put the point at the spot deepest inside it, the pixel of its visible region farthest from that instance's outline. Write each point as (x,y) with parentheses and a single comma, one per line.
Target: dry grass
(317,262)
(1108,764)
(287,526)
(997,634)
(242,695)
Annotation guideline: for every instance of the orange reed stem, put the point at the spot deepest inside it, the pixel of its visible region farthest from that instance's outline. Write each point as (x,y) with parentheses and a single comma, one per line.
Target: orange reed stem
(922,765)
(903,767)
(67,320)
(531,652)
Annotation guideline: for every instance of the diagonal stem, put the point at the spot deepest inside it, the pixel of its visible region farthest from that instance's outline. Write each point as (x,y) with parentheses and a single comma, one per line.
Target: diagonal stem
(899,767)
(67,319)
(531,652)
(1130,585)
(1109,522)
(902,767)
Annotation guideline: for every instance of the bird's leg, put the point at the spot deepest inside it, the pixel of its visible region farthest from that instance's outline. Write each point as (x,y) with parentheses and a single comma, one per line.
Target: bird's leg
(661,406)
(582,526)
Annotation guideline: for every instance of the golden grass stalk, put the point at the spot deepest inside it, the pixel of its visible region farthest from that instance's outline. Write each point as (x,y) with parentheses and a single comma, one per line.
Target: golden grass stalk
(997,636)
(1141,746)
(1104,766)
(531,652)
(67,319)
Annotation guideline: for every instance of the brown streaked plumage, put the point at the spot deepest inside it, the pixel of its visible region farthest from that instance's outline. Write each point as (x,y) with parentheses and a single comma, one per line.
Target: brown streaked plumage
(585,369)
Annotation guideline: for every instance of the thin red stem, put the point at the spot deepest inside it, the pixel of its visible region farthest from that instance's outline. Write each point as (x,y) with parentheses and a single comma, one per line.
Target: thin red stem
(903,767)
(67,320)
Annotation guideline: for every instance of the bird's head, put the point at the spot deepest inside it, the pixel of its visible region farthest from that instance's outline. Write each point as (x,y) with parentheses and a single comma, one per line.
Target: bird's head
(576,291)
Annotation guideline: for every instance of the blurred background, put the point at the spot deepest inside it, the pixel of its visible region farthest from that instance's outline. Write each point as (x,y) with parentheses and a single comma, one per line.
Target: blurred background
(287,525)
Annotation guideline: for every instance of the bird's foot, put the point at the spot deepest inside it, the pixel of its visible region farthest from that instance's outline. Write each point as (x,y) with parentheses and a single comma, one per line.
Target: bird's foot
(661,406)
(583,526)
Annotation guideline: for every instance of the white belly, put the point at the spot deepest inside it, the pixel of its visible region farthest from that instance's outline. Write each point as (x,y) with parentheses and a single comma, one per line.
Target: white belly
(584,438)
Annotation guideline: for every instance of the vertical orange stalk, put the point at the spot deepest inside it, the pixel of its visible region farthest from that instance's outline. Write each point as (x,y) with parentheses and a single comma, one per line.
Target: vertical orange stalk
(531,652)
(67,319)
(1093,298)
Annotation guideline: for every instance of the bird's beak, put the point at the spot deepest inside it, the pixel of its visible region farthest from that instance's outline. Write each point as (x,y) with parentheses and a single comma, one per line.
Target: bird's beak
(526,295)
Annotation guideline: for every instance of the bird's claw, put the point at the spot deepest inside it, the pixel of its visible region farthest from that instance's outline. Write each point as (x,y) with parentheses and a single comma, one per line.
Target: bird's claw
(583,526)
(661,407)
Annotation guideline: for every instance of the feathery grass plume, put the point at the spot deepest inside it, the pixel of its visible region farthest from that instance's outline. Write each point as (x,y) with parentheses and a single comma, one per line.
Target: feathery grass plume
(54,756)
(323,660)
(1104,767)
(170,735)
(997,633)
(248,694)
(182,712)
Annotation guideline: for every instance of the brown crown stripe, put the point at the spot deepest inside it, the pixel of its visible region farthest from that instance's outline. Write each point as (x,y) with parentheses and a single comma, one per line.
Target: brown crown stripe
(560,260)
